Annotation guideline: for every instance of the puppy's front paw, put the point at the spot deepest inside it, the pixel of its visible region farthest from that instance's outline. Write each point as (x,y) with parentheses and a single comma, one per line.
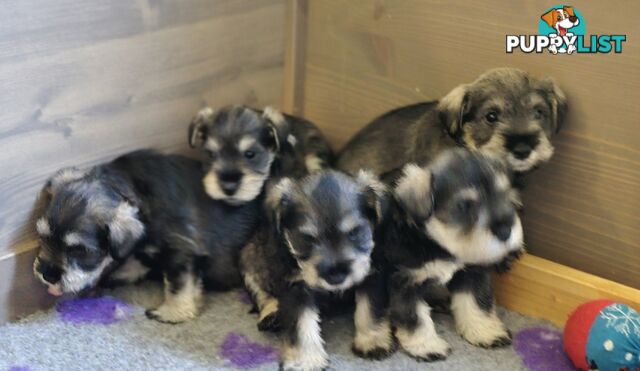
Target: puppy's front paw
(270,323)
(171,314)
(490,333)
(376,343)
(295,366)
(375,353)
(429,349)
(297,359)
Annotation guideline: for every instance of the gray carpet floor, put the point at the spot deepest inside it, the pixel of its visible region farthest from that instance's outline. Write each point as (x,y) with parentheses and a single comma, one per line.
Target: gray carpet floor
(223,337)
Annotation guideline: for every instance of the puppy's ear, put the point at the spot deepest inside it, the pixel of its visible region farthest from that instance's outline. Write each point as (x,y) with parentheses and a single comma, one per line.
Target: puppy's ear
(198,127)
(558,102)
(279,202)
(278,125)
(61,178)
(124,230)
(569,9)
(549,17)
(414,191)
(451,109)
(374,196)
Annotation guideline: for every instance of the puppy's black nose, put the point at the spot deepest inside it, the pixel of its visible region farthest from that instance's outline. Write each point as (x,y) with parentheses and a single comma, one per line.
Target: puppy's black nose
(336,278)
(573,18)
(50,273)
(521,145)
(501,230)
(521,151)
(229,181)
(336,274)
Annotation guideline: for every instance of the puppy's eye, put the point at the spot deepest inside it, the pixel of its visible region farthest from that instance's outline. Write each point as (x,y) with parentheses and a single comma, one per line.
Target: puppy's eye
(465,206)
(492,117)
(539,113)
(212,155)
(249,154)
(308,239)
(356,233)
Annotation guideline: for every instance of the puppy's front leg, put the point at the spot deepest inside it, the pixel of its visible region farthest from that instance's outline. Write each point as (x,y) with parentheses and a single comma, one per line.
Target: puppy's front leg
(182,292)
(374,338)
(474,310)
(411,316)
(303,347)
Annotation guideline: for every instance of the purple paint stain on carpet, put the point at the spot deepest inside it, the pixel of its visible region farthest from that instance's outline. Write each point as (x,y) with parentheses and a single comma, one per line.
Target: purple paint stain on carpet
(541,350)
(241,352)
(244,297)
(19,368)
(105,310)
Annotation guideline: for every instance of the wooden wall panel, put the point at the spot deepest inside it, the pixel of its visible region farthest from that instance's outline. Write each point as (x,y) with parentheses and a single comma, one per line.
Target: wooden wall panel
(84,81)
(363,58)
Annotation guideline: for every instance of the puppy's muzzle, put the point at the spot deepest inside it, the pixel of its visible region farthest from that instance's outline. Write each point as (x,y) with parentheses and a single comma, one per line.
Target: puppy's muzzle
(229,181)
(336,274)
(501,228)
(50,273)
(521,145)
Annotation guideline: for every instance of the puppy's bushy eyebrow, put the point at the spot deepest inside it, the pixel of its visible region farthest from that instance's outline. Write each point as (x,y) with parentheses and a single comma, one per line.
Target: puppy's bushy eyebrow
(349,221)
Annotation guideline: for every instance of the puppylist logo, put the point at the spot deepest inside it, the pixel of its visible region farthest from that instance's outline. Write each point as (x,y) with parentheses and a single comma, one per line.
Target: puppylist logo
(562,31)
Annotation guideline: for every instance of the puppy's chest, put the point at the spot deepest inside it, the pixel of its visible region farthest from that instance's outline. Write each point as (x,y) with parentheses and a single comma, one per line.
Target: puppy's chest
(437,270)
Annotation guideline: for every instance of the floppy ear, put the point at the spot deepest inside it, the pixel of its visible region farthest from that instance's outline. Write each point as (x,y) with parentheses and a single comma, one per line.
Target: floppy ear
(558,101)
(549,17)
(62,177)
(414,191)
(374,196)
(278,125)
(124,230)
(452,108)
(569,9)
(198,127)
(279,202)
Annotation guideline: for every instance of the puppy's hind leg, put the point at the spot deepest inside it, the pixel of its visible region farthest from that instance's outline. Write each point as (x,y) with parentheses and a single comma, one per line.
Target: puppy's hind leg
(415,329)
(182,291)
(374,337)
(474,310)
(255,276)
(267,304)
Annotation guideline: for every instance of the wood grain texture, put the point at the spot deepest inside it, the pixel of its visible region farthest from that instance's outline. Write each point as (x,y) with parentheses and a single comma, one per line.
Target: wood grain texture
(294,57)
(364,58)
(541,288)
(84,82)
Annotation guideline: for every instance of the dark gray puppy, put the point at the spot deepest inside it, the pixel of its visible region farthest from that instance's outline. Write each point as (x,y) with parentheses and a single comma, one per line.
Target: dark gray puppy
(448,224)
(143,211)
(246,147)
(505,112)
(318,244)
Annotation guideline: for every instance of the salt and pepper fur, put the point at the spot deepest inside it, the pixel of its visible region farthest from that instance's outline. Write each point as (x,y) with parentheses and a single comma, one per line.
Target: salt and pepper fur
(448,224)
(317,244)
(143,212)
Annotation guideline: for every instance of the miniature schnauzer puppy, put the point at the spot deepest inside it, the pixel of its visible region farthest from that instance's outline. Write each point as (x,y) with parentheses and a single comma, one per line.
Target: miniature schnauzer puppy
(141,211)
(318,244)
(448,224)
(246,147)
(505,112)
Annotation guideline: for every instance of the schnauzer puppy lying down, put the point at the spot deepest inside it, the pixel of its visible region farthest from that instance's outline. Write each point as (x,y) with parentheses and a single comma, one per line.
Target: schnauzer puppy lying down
(318,244)
(144,207)
(246,147)
(505,112)
(448,224)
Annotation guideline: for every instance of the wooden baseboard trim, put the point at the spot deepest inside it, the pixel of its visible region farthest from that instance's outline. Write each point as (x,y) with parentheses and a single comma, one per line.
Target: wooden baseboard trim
(543,289)
(20,293)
